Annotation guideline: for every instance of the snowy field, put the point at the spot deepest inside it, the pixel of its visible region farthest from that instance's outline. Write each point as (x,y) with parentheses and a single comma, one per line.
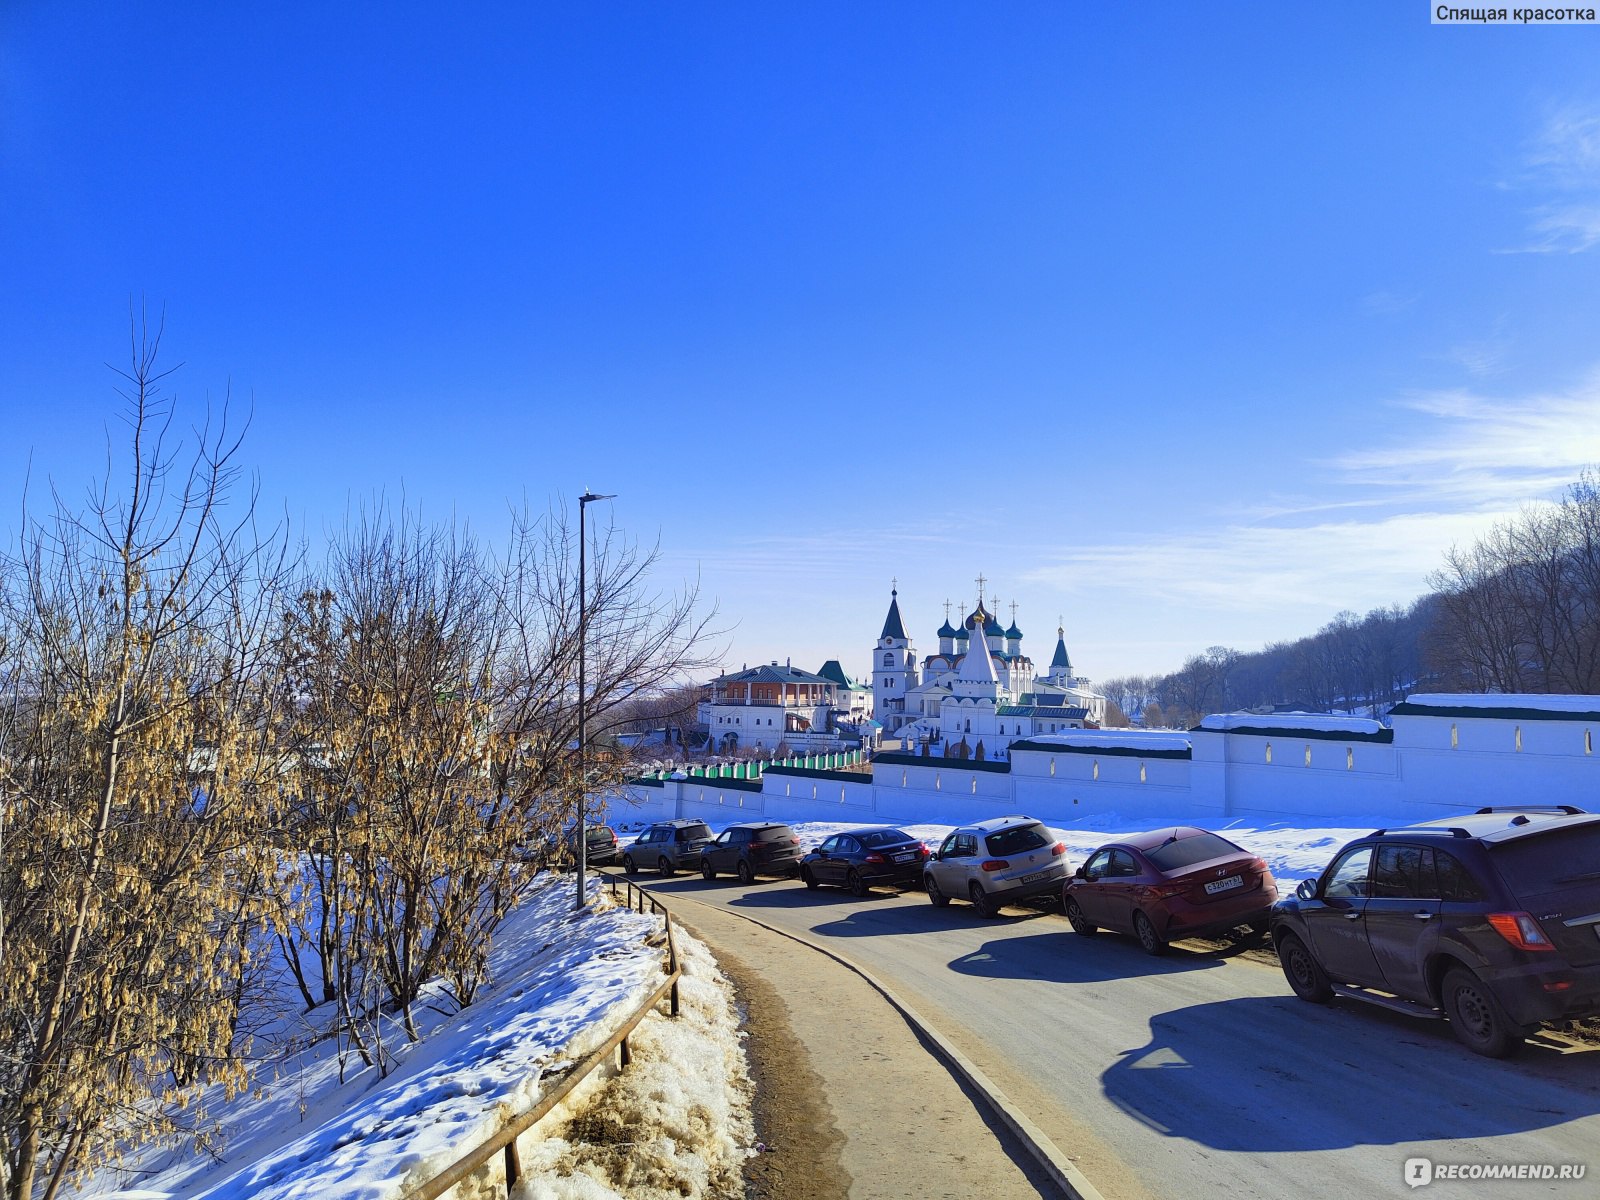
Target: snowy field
(561,980)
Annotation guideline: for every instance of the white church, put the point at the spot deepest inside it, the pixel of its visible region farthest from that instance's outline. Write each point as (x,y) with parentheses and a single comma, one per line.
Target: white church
(978,694)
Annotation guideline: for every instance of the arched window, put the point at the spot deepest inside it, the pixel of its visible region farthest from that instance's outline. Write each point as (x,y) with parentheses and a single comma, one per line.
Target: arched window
(1519,738)
(1588,742)
(1094,771)
(1143,775)
(1349,758)
(1269,751)
(1052,766)
(1455,738)
(888,660)
(1308,754)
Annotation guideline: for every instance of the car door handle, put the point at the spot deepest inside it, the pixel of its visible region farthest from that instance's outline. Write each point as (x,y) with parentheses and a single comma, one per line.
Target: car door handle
(1423,916)
(1353,916)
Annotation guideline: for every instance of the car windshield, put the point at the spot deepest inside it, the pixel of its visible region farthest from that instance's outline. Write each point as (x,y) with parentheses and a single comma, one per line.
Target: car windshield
(1185,852)
(1535,865)
(1016,841)
(883,837)
(778,833)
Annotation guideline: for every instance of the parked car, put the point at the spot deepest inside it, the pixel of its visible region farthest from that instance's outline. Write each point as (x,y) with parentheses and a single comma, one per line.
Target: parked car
(752,848)
(866,858)
(1176,882)
(668,846)
(996,862)
(1487,919)
(600,847)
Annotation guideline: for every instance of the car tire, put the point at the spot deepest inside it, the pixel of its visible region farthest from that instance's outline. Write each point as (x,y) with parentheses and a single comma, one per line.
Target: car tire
(808,879)
(746,875)
(982,901)
(1305,975)
(940,900)
(1150,941)
(856,884)
(1081,924)
(1476,1018)
(664,865)
(707,871)
(628,865)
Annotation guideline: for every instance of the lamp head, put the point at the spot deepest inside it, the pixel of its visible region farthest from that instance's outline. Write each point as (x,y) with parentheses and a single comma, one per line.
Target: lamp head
(589,496)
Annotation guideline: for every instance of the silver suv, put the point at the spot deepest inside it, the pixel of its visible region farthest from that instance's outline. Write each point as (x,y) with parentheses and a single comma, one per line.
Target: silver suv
(667,846)
(993,863)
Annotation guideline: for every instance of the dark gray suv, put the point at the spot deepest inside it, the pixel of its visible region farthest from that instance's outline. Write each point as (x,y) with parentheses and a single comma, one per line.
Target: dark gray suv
(1490,919)
(668,846)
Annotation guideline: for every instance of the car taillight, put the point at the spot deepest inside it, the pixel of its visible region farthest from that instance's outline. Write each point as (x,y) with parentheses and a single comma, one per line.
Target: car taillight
(1521,930)
(873,858)
(1162,890)
(1058,850)
(996,864)
(794,841)
(1258,865)
(922,850)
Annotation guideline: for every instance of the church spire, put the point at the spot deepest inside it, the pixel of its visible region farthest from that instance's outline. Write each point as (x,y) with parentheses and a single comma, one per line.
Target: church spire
(1060,662)
(893,627)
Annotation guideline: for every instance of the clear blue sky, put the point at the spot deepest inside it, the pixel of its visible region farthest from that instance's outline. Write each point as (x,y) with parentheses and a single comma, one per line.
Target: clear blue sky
(1193,324)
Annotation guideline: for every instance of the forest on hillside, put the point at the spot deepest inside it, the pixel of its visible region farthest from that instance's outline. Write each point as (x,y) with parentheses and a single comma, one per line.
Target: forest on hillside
(1517,611)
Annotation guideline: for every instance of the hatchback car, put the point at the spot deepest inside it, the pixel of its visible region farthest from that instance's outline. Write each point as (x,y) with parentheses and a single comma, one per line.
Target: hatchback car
(996,862)
(1489,920)
(752,848)
(1175,882)
(669,846)
(866,858)
(600,847)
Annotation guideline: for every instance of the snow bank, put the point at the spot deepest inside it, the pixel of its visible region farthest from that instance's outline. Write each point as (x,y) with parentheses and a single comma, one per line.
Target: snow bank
(1321,722)
(1560,704)
(1173,740)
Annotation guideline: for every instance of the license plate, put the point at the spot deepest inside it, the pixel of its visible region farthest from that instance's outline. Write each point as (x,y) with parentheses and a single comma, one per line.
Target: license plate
(1225,885)
(1036,876)
(904,857)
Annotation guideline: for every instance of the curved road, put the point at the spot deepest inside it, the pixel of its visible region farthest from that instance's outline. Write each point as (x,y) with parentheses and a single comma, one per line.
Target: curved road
(1198,1074)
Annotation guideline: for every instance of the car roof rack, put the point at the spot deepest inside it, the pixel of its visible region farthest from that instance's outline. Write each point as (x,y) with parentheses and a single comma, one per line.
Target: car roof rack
(1563,810)
(1452,830)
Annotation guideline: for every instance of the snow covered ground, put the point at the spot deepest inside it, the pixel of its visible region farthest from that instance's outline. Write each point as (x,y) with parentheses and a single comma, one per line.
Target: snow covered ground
(561,980)
(675,1123)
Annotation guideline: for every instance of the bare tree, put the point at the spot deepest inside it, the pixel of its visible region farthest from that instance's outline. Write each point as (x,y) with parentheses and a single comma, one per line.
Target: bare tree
(137,791)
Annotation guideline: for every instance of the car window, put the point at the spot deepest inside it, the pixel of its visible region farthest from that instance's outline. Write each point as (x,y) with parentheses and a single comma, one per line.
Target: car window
(725,837)
(1186,851)
(947,848)
(829,845)
(1400,872)
(1537,865)
(883,837)
(1018,840)
(1455,881)
(1349,877)
(849,845)
(775,833)
(693,833)
(1098,863)
(1121,865)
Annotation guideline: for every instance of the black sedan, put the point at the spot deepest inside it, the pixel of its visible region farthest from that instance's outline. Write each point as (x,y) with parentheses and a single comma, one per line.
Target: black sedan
(865,858)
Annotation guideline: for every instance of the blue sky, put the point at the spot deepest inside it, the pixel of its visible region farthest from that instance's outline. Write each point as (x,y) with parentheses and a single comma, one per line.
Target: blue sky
(1193,324)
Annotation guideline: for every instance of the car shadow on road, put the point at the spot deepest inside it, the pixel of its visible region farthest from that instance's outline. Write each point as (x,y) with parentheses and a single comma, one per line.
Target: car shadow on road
(1266,1074)
(1060,956)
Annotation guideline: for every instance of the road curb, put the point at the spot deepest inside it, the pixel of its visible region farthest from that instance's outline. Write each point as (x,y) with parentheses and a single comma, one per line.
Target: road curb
(1061,1170)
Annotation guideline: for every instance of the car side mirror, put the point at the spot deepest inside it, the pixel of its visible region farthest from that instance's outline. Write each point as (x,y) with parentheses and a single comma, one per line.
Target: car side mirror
(1079,874)
(1307,889)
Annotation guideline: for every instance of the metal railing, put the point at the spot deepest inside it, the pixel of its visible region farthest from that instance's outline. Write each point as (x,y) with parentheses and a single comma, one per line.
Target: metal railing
(505,1141)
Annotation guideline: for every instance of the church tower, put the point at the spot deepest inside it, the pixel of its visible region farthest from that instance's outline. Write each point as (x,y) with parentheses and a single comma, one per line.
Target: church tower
(1061,665)
(894,669)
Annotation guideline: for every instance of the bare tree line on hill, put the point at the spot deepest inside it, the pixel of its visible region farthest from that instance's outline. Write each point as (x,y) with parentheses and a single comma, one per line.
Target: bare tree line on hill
(1517,611)
(215,756)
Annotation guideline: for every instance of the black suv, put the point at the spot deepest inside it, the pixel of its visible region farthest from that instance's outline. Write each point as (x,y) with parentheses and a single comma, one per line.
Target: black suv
(668,846)
(752,848)
(1491,920)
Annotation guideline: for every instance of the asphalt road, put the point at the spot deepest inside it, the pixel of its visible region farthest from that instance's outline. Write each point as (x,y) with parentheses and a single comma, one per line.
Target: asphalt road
(1199,1074)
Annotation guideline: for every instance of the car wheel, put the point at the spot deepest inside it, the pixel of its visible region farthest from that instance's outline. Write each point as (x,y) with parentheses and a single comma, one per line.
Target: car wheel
(939,898)
(856,884)
(746,875)
(707,871)
(1081,924)
(809,878)
(1149,940)
(628,865)
(982,901)
(1305,975)
(1476,1018)
(664,865)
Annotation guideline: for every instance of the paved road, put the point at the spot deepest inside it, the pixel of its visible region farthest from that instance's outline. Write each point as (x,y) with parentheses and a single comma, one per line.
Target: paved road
(1199,1074)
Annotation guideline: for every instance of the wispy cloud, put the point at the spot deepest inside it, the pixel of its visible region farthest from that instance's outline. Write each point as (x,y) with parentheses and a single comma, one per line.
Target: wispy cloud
(1563,162)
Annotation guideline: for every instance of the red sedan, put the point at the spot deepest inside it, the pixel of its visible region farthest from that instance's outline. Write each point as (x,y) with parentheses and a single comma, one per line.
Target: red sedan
(1173,883)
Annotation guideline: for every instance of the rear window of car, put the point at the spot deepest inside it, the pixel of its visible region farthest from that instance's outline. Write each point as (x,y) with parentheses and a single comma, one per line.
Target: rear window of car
(1185,852)
(777,833)
(883,837)
(1549,861)
(693,833)
(601,833)
(1018,840)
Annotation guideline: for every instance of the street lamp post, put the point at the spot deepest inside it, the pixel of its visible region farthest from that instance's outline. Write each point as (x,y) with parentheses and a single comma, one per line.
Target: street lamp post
(582,835)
